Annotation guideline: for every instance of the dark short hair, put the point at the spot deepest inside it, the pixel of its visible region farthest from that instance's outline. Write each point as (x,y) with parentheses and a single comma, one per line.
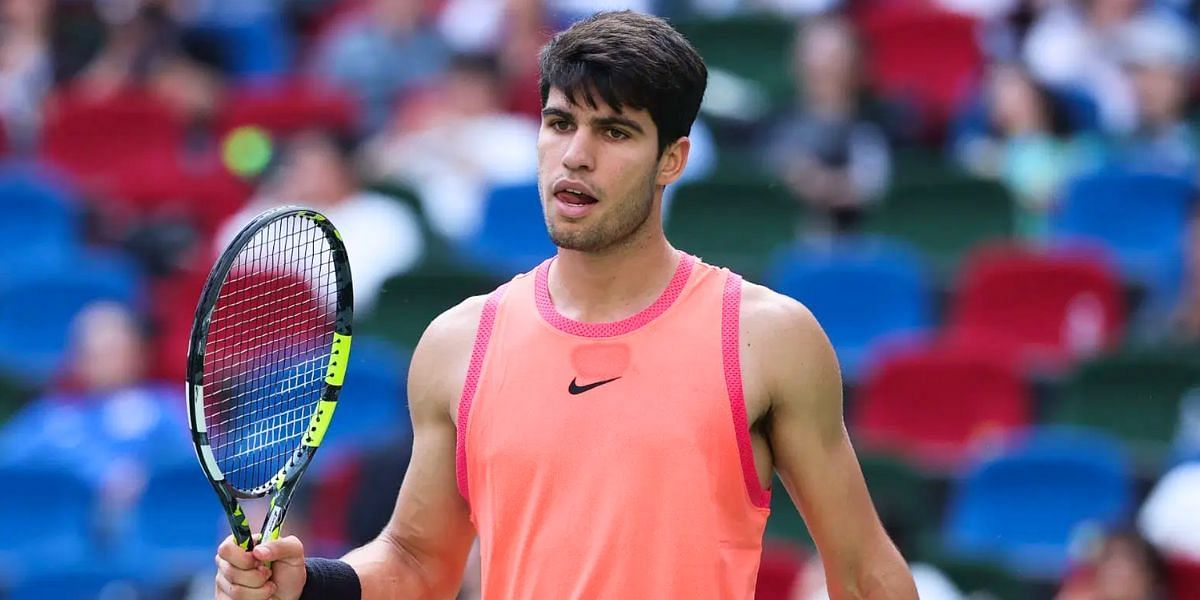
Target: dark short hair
(628,59)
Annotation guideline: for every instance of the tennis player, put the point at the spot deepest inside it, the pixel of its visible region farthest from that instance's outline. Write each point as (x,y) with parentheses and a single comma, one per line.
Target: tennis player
(609,423)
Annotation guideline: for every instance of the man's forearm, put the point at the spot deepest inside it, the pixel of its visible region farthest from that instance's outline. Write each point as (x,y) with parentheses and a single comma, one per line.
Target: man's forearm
(388,571)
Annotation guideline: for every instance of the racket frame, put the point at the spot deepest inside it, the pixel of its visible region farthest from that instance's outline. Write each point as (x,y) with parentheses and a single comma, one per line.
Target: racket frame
(282,485)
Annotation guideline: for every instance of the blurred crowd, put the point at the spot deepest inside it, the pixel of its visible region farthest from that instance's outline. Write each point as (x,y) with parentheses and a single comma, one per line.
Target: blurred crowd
(138,136)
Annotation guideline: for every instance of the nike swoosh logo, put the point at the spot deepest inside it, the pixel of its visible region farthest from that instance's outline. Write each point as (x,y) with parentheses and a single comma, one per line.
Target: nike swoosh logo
(575,389)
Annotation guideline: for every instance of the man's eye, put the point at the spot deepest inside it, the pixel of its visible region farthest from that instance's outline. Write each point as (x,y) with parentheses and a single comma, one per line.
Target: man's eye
(560,125)
(617,134)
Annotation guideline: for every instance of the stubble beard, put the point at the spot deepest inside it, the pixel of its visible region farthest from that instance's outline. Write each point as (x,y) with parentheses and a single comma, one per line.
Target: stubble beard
(613,231)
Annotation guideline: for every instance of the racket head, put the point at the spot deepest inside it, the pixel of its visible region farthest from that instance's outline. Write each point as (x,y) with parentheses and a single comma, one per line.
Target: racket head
(267,354)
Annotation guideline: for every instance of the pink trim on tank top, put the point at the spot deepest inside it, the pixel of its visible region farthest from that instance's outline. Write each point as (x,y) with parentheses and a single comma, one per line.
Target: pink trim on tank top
(731,306)
(545,304)
(482,335)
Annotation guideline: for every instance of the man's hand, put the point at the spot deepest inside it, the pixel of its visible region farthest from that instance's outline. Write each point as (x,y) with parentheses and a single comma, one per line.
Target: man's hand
(244,575)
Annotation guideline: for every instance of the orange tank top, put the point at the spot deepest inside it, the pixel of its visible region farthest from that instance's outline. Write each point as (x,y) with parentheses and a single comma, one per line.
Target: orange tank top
(612,460)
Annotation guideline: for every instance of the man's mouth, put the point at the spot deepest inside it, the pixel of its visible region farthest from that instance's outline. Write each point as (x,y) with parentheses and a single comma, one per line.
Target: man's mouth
(574,197)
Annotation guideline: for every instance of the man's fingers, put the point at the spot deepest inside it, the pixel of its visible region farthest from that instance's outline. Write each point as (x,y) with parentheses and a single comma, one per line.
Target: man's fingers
(234,591)
(288,550)
(235,555)
(252,578)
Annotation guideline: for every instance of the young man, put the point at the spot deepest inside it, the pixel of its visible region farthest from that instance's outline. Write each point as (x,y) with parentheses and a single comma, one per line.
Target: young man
(609,424)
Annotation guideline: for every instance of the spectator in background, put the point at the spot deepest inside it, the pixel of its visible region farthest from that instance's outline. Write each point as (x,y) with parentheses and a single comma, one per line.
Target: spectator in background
(26,69)
(1076,45)
(104,410)
(1123,566)
(381,52)
(1159,56)
(140,36)
(827,150)
(1023,140)
(455,144)
(382,235)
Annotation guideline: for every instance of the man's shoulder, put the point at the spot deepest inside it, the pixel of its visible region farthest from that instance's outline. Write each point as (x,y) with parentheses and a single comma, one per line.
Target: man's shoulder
(763,307)
(456,326)
(779,327)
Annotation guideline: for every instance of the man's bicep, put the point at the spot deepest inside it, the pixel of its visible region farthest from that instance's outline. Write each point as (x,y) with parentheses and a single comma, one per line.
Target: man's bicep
(813,453)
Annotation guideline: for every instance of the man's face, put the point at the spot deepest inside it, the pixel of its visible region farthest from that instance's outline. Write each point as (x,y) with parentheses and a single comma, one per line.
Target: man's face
(598,171)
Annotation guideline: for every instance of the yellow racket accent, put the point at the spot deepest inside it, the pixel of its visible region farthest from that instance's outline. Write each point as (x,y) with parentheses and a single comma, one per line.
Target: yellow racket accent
(338,358)
(241,516)
(319,423)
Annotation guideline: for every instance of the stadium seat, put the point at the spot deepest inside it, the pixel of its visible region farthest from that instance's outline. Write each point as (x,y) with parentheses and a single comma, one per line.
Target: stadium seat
(918,209)
(934,404)
(735,224)
(409,302)
(157,527)
(927,58)
(36,311)
(512,237)
(253,43)
(862,291)
(1141,218)
(76,582)
(903,497)
(1184,577)
(287,105)
(46,516)
(1134,395)
(1045,308)
(785,524)
(1023,506)
(780,570)
(49,223)
(110,142)
(756,48)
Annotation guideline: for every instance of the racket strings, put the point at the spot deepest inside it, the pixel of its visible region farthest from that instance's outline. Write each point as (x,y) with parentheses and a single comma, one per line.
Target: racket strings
(268,349)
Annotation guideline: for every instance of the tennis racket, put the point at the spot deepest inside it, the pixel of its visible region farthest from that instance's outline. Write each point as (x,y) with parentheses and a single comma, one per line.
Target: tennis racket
(266,360)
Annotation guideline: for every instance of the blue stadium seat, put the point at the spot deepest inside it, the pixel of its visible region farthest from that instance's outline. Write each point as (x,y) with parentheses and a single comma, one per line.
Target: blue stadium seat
(177,524)
(863,291)
(512,237)
(1141,218)
(46,516)
(36,311)
(79,581)
(1023,506)
(48,228)
(373,402)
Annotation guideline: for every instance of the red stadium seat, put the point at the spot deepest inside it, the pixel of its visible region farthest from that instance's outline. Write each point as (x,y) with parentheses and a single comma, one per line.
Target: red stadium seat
(1184,578)
(1044,309)
(105,142)
(4,145)
(128,149)
(779,572)
(935,403)
(923,56)
(287,106)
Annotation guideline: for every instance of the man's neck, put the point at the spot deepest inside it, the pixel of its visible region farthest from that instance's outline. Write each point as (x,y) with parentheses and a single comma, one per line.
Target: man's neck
(610,286)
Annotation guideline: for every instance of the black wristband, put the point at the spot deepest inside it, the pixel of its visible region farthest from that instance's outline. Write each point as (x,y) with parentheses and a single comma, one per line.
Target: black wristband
(330,579)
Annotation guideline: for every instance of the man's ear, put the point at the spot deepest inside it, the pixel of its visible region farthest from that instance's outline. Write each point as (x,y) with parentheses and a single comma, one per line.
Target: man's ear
(673,161)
